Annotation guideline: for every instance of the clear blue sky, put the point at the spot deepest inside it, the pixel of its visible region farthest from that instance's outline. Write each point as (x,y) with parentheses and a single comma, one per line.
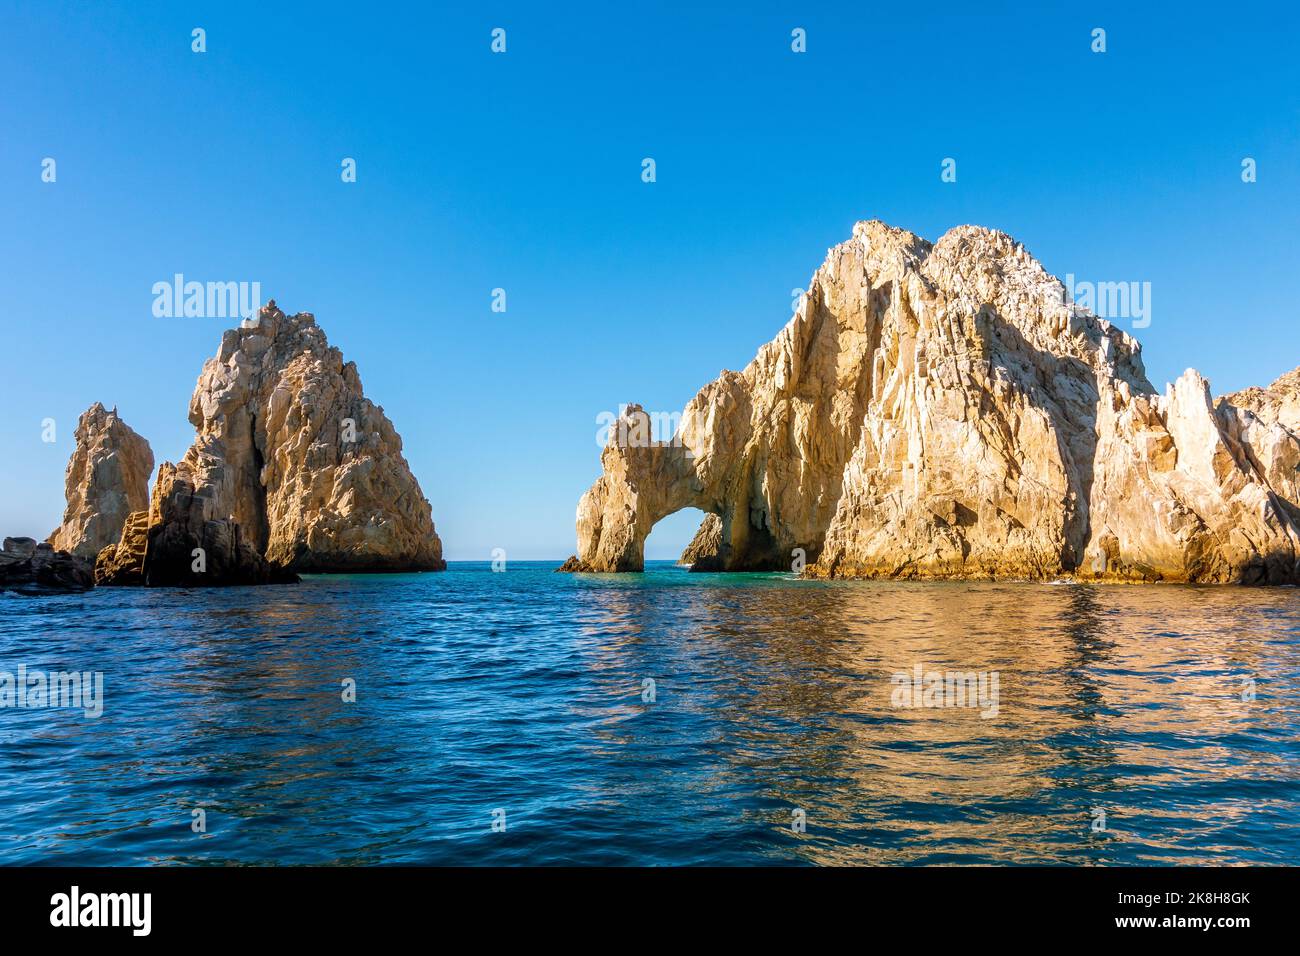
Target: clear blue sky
(522,171)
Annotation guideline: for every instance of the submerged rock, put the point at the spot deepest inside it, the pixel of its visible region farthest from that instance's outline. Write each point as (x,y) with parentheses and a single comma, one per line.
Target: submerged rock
(939,410)
(31,568)
(107,478)
(292,469)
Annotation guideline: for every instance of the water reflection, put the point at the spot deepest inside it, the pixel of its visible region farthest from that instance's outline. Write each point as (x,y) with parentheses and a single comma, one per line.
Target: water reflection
(1119,699)
(527,691)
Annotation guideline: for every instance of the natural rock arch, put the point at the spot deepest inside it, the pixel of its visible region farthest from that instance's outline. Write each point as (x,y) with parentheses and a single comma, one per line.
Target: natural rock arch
(764,449)
(941,410)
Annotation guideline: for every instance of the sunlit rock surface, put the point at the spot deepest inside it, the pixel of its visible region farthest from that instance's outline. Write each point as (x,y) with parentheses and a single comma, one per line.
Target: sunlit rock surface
(702,554)
(292,466)
(107,478)
(939,411)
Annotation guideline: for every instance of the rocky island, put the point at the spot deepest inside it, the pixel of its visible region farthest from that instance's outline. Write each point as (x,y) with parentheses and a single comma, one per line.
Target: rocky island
(940,410)
(292,470)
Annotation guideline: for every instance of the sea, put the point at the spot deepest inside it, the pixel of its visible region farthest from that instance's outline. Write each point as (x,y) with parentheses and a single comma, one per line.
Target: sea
(487,717)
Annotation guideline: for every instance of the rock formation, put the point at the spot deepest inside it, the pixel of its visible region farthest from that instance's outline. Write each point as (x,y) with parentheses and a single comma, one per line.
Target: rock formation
(939,410)
(107,478)
(188,547)
(30,568)
(292,469)
(123,563)
(1266,423)
(703,553)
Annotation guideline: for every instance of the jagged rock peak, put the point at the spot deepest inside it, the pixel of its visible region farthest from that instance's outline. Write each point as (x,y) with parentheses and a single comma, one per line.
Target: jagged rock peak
(290,463)
(702,554)
(940,410)
(1279,402)
(107,478)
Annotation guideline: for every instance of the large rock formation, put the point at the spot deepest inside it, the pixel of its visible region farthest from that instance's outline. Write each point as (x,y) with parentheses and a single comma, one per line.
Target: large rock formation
(107,478)
(292,469)
(35,569)
(941,411)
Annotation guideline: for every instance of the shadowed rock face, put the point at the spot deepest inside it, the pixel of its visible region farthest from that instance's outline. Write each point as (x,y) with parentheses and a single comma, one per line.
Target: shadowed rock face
(292,469)
(702,554)
(939,411)
(188,547)
(123,563)
(36,569)
(107,478)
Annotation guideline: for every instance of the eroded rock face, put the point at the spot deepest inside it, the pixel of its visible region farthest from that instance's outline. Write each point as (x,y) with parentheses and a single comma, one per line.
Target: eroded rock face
(188,546)
(122,564)
(939,411)
(107,478)
(1264,426)
(704,551)
(291,465)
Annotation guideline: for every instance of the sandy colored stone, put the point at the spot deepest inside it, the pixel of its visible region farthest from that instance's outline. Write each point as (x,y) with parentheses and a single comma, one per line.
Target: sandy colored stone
(938,410)
(1263,426)
(107,478)
(572,565)
(189,547)
(122,564)
(292,462)
(702,554)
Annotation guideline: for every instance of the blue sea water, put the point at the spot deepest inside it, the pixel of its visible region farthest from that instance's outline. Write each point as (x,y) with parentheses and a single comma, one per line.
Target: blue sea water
(525,692)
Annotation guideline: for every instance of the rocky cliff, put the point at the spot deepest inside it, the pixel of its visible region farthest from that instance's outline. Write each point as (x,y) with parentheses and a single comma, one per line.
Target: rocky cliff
(107,478)
(292,469)
(939,410)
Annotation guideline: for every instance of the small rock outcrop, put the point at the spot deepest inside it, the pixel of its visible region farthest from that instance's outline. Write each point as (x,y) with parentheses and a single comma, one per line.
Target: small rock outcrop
(122,564)
(292,469)
(704,553)
(35,569)
(107,478)
(941,411)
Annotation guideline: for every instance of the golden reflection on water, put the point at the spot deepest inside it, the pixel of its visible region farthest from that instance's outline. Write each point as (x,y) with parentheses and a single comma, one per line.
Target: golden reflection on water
(525,690)
(1127,699)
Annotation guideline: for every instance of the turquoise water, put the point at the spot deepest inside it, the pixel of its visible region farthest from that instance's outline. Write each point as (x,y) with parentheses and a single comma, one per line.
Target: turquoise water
(525,692)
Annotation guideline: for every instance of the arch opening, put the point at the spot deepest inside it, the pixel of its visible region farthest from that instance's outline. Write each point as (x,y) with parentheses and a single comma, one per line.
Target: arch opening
(673,535)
